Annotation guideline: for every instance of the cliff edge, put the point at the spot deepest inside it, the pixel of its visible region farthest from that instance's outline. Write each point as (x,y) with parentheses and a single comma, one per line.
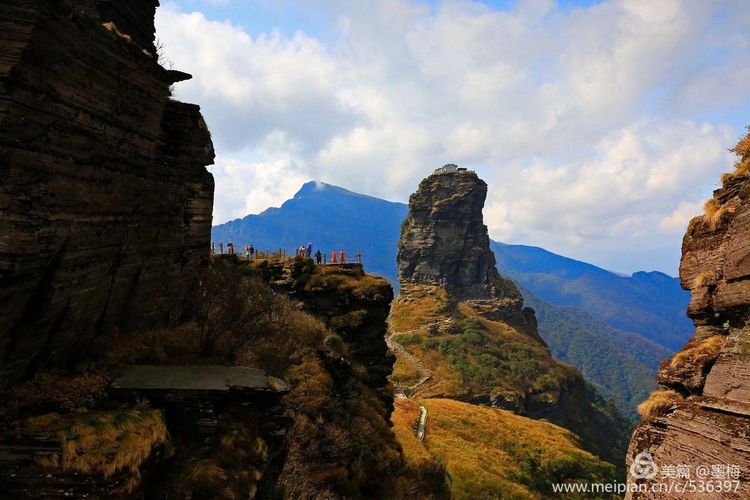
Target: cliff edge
(105,204)
(702,417)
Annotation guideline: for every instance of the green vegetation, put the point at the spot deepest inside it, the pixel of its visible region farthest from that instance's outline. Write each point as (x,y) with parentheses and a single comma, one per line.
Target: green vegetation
(478,356)
(622,366)
(472,357)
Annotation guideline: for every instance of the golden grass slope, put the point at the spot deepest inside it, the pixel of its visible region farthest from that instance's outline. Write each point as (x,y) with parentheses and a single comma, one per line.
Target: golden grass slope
(474,356)
(491,453)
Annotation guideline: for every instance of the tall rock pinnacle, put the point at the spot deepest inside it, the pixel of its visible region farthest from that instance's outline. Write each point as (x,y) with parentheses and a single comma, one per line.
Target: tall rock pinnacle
(449,282)
(444,240)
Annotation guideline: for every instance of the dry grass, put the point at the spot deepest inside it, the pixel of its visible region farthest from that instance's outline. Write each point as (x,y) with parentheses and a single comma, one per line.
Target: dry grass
(742,149)
(361,285)
(103,443)
(424,304)
(170,345)
(404,373)
(704,279)
(705,352)
(113,28)
(53,391)
(424,474)
(742,165)
(233,471)
(405,417)
(493,453)
(658,403)
(715,213)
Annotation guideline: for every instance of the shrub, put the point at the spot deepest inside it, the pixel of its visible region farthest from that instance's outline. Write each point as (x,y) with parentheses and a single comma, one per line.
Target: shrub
(715,213)
(54,391)
(658,403)
(704,279)
(705,352)
(742,149)
(103,443)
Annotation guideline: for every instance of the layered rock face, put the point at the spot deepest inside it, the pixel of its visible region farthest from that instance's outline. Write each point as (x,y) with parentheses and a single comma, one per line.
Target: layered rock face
(350,302)
(707,419)
(444,240)
(105,204)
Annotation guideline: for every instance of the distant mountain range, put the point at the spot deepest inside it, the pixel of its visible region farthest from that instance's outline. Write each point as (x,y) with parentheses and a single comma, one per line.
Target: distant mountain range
(613,328)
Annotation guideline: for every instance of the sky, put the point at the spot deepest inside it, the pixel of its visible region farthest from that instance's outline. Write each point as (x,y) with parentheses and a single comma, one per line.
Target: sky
(601,127)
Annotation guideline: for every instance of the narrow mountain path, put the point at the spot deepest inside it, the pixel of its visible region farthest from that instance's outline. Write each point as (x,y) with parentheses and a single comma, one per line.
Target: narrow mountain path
(394,346)
(424,374)
(422,427)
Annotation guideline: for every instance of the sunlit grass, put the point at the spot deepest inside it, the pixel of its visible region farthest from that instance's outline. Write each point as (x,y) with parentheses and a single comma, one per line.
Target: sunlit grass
(658,403)
(104,443)
(492,453)
(707,350)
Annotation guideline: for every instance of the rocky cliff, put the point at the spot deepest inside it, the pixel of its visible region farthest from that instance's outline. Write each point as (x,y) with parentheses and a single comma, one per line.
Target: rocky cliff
(352,303)
(444,240)
(702,417)
(105,204)
(466,330)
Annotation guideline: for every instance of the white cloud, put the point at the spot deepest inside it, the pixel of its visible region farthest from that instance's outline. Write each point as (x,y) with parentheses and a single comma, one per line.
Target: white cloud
(676,221)
(588,124)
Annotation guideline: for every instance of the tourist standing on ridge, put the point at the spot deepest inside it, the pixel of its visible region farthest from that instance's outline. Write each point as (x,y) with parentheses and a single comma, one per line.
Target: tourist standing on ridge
(333,257)
(221,248)
(309,250)
(230,248)
(252,251)
(318,257)
(343,257)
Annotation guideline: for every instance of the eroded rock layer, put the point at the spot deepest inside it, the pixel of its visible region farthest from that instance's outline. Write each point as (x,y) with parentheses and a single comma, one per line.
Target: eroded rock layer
(703,416)
(105,202)
(444,240)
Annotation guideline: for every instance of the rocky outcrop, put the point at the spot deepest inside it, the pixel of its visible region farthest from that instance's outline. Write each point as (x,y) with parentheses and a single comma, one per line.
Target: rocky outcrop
(444,240)
(105,204)
(488,351)
(350,302)
(707,420)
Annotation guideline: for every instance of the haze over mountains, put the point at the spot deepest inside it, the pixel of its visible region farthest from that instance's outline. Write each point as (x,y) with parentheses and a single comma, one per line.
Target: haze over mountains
(614,328)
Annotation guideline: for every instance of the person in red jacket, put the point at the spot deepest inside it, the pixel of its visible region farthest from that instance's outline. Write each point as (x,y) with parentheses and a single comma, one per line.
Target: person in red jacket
(333,257)
(343,256)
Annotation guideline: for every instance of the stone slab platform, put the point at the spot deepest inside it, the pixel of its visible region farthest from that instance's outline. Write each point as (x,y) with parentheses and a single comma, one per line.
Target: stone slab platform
(197,378)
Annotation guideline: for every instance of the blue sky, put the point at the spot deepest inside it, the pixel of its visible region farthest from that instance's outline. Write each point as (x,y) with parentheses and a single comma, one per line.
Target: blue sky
(600,127)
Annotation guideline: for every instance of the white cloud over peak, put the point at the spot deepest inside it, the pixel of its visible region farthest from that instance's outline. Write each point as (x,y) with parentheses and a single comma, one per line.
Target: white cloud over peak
(587,123)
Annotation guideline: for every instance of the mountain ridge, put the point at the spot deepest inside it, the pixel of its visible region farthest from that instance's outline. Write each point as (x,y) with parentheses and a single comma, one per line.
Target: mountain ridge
(333,218)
